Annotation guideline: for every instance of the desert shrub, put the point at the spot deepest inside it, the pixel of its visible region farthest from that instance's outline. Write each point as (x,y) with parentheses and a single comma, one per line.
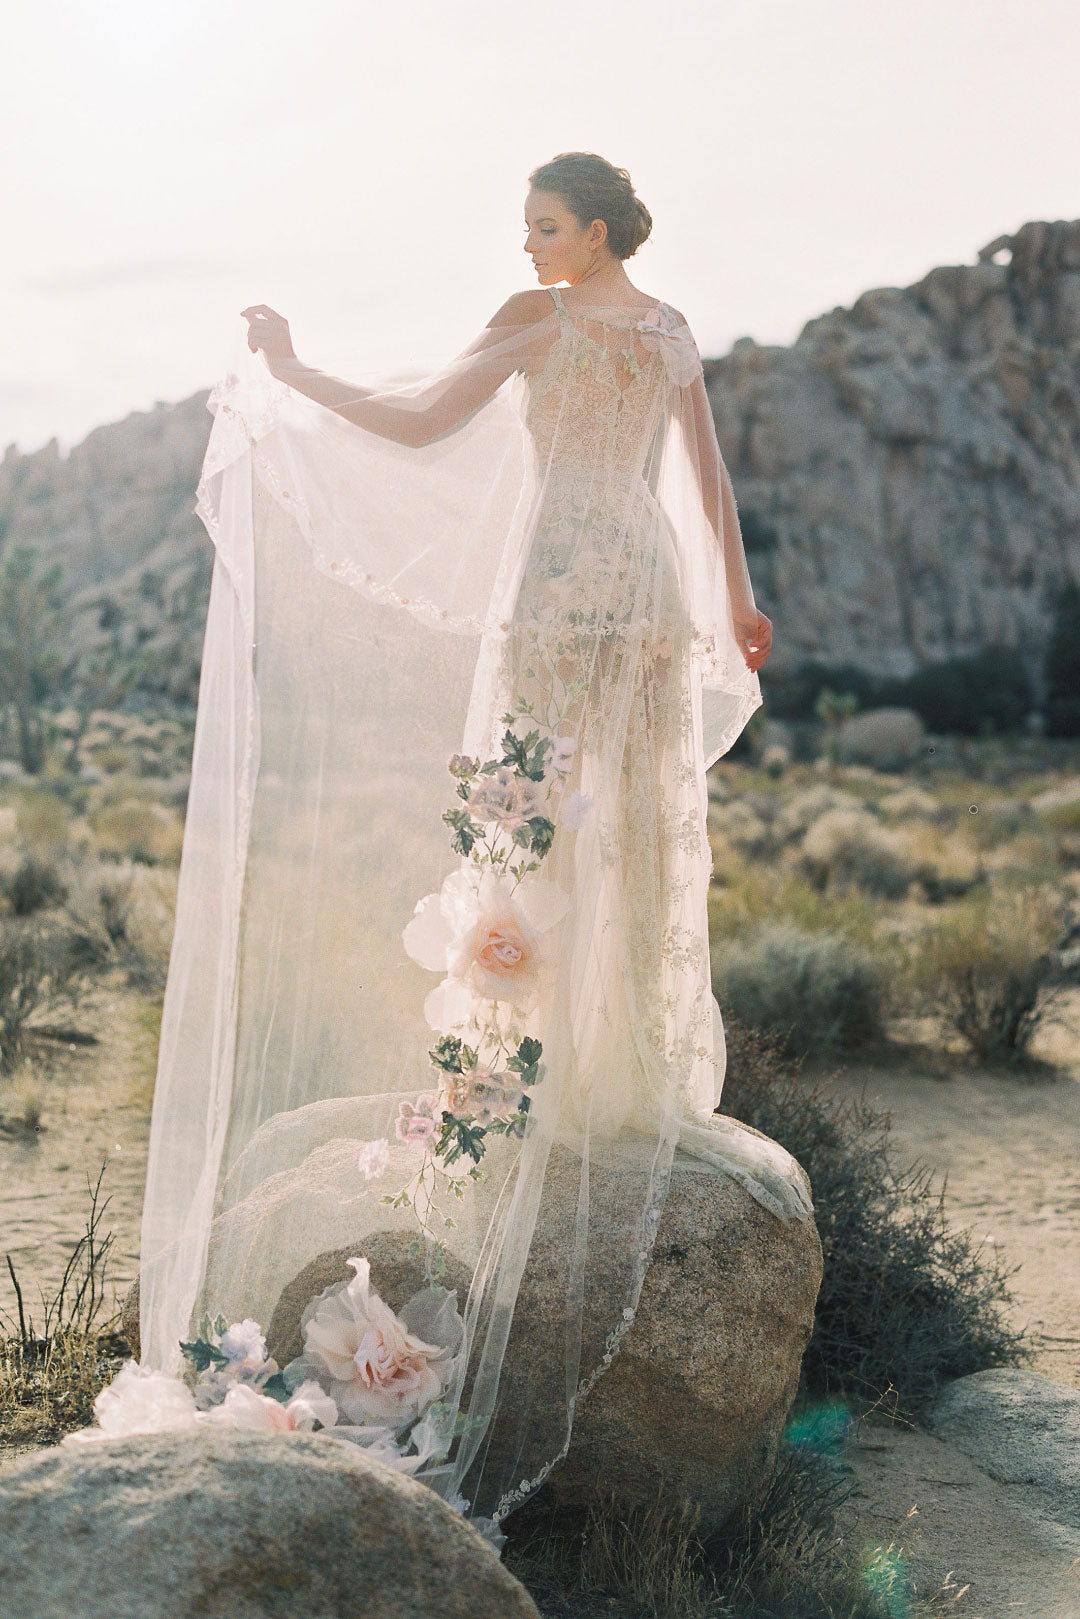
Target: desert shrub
(946,865)
(138,829)
(989,969)
(112,758)
(739,823)
(814,992)
(851,848)
(1059,810)
(745,894)
(41,819)
(911,803)
(38,971)
(799,813)
(52,1369)
(906,1303)
(32,885)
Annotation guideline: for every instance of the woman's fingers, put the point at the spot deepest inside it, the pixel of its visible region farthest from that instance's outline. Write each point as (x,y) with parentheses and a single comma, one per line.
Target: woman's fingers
(267,330)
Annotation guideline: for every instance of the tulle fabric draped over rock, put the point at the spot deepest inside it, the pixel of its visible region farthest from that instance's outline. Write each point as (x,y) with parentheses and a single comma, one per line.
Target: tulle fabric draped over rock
(524,566)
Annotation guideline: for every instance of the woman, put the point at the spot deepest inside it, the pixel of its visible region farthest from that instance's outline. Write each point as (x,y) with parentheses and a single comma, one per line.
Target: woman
(527,566)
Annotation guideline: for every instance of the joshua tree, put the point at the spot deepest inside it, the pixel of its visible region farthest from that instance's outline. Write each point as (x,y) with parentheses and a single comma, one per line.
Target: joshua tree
(31,660)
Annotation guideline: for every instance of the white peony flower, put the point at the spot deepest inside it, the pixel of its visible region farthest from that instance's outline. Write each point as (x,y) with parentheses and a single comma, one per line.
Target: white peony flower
(487,938)
(374,1157)
(139,1400)
(375,1364)
(245,1345)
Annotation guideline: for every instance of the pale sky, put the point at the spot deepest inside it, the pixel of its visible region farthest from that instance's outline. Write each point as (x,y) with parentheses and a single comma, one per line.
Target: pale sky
(362,167)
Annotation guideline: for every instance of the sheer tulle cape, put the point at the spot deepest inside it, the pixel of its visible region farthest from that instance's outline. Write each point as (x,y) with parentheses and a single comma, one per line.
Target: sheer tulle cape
(370,550)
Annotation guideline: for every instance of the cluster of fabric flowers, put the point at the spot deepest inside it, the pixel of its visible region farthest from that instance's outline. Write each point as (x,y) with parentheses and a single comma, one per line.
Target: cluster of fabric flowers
(366,1377)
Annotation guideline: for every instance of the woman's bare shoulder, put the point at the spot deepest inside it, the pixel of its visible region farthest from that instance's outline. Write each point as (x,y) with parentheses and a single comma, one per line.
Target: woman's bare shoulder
(523,308)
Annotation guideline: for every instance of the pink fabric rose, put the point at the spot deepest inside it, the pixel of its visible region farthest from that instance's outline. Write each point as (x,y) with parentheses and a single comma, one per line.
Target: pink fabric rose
(378,1370)
(487,938)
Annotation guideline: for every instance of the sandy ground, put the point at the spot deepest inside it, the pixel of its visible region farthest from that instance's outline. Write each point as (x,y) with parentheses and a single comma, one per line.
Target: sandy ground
(1005,1143)
(94,1110)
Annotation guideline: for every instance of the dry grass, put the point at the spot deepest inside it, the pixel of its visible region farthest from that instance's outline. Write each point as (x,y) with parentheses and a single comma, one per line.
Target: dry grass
(781,1557)
(745,895)
(138,829)
(52,1369)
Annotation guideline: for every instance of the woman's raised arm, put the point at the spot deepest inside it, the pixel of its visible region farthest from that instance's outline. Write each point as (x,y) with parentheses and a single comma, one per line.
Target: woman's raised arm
(418,412)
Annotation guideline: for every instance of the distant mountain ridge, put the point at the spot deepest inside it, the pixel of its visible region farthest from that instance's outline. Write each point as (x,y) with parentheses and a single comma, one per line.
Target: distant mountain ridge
(907,472)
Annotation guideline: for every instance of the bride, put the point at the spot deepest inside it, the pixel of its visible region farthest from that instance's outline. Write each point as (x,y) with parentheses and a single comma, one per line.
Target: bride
(439,1015)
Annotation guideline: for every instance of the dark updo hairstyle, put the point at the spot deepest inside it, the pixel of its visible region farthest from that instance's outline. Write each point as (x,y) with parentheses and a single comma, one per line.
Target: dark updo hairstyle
(592,188)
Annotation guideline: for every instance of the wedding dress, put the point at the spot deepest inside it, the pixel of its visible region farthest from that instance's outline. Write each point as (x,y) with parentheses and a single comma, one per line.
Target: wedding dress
(441,949)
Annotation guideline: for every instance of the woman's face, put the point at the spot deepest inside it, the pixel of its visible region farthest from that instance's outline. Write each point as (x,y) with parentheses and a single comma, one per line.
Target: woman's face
(561,248)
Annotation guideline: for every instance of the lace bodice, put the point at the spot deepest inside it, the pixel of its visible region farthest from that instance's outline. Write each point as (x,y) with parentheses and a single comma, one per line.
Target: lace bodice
(598,400)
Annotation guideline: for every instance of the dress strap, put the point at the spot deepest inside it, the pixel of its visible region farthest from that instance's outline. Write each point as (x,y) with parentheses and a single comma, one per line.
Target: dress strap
(557,295)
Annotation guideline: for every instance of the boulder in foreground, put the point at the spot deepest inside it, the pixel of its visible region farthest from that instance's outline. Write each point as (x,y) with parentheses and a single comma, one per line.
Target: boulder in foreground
(239,1526)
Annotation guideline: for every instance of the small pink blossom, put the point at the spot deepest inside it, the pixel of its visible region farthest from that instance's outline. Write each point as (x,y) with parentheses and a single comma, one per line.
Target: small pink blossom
(562,753)
(417,1122)
(505,798)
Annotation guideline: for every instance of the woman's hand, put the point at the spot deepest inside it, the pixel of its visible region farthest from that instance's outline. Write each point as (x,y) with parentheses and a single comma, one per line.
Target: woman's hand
(269,331)
(754,635)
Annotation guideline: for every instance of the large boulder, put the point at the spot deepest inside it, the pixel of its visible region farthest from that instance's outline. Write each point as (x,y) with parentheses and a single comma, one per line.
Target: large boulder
(886,738)
(235,1525)
(1022,1429)
(693,1404)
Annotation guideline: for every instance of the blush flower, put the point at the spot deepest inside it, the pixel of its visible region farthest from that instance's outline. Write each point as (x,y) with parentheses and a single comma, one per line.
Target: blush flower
(373,1363)
(562,754)
(494,1095)
(505,798)
(244,1407)
(418,1121)
(487,937)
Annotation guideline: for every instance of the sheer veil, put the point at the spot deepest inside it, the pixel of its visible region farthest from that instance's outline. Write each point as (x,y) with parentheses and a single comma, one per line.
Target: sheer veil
(375,549)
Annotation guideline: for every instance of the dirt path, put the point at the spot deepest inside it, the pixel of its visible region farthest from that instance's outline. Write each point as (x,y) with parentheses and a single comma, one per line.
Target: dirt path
(1008,1145)
(94,1109)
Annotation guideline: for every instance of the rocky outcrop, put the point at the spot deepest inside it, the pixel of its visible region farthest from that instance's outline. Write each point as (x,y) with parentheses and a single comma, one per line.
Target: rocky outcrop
(237,1525)
(886,738)
(908,471)
(118,514)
